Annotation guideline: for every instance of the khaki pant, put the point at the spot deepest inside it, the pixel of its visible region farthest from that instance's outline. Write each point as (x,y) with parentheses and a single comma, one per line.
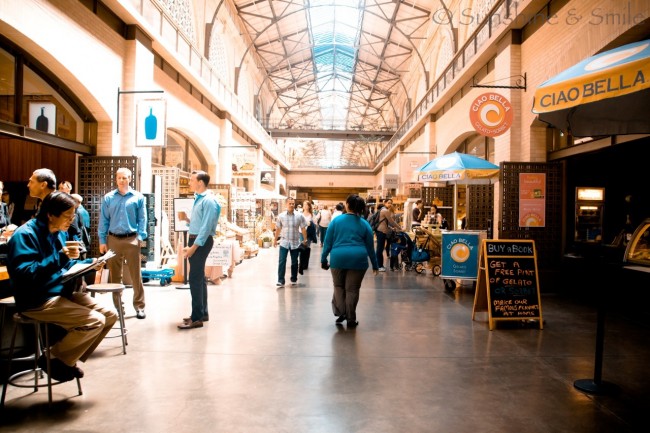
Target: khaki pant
(86,322)
(126,249)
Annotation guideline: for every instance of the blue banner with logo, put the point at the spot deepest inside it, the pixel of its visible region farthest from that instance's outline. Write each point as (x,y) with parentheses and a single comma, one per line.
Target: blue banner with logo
(460,251)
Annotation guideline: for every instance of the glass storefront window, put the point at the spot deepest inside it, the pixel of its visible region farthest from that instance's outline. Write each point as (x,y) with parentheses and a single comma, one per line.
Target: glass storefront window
(7,90)
(44,109)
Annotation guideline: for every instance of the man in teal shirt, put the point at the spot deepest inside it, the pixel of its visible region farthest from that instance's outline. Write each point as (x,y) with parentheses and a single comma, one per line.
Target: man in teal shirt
(203,226)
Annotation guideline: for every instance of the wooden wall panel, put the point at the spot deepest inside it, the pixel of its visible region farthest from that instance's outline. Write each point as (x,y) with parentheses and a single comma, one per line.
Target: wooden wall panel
(19,159)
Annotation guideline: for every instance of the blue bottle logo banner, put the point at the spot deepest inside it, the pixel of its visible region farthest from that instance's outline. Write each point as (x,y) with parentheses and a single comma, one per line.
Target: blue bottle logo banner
(151,123)
(150,126)
(460,251)
(42,116)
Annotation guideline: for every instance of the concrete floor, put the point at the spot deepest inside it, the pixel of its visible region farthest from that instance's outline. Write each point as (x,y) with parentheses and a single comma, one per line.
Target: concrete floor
(272,360)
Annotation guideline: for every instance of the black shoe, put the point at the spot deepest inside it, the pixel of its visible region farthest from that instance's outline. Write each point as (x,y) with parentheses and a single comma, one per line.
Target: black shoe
(300,271)
(58,370)
(140,314)
(353,324)
(340,319)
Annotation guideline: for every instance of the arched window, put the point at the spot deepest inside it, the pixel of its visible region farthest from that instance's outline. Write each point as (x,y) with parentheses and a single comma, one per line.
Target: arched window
(180,152)
(43,107)
(478,145)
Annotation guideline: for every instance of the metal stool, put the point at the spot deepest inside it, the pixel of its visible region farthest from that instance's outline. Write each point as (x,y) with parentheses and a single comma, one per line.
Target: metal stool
(19,319)
(5,303)
(116,290)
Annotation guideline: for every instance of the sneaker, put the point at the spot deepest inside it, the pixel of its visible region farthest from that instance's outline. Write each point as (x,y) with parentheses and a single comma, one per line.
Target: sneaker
(294,283)
(279,284)
(382,269)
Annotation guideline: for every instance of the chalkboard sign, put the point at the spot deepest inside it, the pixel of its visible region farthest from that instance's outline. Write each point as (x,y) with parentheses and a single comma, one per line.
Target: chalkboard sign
(508,282)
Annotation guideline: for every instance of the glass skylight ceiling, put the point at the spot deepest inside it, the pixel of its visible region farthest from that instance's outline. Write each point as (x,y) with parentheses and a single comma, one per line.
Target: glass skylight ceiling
(335,27)
(335,65)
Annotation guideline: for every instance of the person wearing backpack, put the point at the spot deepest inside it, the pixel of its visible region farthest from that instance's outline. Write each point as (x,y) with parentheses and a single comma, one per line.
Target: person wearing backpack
(384,229)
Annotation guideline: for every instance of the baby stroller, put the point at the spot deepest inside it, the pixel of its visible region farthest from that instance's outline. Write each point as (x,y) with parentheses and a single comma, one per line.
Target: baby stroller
(427,242)
(401,248)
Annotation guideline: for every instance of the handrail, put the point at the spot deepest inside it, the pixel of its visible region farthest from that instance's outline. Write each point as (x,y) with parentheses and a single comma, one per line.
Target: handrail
(160,24)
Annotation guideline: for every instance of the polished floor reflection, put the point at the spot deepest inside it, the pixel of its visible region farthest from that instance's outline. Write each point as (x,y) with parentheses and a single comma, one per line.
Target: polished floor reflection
(272,360)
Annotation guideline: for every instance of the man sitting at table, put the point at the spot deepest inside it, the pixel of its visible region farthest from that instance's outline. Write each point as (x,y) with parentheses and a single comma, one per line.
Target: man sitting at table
(37,260)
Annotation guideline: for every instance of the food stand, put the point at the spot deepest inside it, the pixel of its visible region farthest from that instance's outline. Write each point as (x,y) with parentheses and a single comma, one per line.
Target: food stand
(637,253)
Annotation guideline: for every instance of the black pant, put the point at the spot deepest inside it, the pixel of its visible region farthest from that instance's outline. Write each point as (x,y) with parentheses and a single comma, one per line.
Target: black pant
(198,286)
(303,262)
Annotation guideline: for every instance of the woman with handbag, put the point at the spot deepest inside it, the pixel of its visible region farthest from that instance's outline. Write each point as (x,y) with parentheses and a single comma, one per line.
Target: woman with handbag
(349,243)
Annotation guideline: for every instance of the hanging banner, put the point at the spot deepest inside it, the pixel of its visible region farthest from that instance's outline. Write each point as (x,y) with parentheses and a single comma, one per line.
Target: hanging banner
(151,123)
(243,161)
(491,114)
(42,116)
(267,178)
(532,199)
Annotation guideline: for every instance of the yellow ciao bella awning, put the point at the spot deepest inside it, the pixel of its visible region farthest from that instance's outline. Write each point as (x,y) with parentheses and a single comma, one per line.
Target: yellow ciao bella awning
(605,94)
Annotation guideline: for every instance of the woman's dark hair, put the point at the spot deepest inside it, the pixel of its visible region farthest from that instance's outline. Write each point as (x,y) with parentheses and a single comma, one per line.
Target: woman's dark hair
(356,204)
(55,204)
(340,206)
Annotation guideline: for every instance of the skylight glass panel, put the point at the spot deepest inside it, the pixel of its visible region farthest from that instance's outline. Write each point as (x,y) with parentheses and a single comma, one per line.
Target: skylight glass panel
(335,30)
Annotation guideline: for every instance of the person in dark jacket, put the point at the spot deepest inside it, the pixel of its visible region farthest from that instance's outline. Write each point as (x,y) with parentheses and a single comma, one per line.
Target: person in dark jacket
(37,260)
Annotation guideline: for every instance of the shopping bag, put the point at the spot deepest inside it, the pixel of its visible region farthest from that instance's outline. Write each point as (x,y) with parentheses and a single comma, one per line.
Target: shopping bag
(420,255)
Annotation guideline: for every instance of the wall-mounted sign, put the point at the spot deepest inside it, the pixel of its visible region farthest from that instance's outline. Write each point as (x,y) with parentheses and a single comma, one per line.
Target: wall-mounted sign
(151,123)
(592,194)
(532,199)
(267,178)
(243,161)
(491,114)
(391,181)
(42,116)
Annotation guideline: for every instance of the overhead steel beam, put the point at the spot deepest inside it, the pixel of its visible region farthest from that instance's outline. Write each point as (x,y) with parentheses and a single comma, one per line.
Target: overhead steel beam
(333,134)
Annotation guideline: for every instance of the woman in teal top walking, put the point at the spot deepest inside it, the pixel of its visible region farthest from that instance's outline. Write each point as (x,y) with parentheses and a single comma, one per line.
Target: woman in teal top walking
(349,242)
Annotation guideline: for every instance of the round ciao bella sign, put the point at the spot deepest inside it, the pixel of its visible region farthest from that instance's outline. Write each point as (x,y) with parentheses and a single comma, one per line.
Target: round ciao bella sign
(491,114)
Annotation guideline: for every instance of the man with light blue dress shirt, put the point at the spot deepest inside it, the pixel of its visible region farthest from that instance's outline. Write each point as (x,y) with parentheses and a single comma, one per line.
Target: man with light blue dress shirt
(203,226)
(122,225)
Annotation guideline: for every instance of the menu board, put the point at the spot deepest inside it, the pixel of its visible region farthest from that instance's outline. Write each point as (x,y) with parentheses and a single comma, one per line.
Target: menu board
(508,282)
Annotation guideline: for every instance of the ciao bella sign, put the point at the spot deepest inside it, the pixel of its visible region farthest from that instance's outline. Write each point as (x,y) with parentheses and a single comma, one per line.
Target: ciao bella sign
(491,114)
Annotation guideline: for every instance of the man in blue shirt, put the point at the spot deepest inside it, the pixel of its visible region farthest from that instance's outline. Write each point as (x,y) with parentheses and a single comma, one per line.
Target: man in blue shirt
(288,227)
(203,226)
(122,225)
(37,260)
